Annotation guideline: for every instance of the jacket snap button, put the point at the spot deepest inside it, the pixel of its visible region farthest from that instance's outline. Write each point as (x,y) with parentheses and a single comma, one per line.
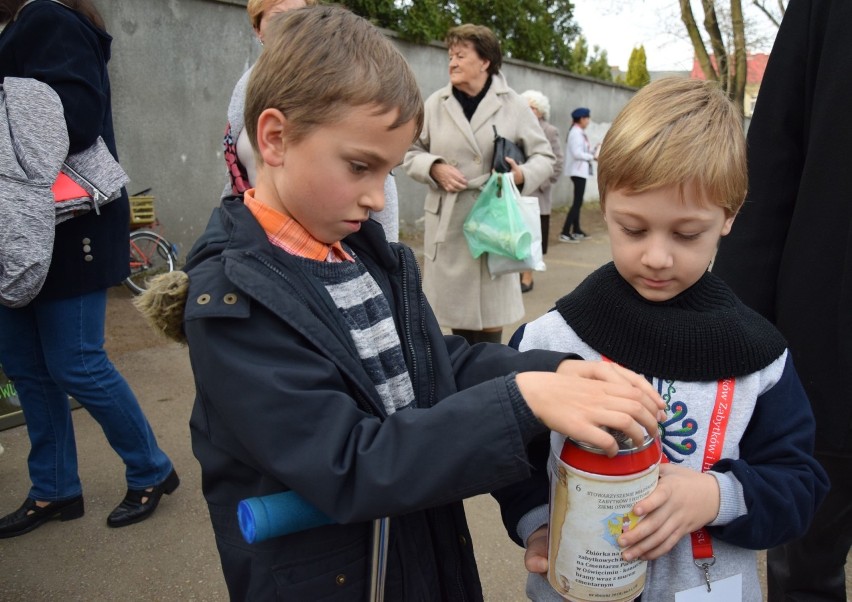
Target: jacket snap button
(340,579)
(87,241)
(87,258)
(203,299)
(463,540)
(230,299)
(87,248)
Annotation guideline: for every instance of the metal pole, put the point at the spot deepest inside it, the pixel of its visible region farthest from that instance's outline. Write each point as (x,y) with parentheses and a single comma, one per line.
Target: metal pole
(381,529)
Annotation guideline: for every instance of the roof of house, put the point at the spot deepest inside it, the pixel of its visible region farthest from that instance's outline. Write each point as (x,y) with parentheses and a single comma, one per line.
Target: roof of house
(756,64)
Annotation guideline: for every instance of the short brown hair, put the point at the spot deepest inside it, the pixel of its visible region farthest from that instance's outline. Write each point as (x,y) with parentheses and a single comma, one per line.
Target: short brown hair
(319,61)
(677,131)
(482,39)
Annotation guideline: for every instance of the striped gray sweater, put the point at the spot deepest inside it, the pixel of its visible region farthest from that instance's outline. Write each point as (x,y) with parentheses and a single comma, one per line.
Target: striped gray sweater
(367,313)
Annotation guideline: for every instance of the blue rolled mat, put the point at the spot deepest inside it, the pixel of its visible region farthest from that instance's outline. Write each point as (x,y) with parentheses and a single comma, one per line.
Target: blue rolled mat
(262,518)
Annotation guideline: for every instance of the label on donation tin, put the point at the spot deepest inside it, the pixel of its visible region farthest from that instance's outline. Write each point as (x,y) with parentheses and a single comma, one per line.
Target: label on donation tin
(588,512)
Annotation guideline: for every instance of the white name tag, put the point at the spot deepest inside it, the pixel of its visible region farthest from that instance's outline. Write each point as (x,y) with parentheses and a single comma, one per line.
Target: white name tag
(726,590)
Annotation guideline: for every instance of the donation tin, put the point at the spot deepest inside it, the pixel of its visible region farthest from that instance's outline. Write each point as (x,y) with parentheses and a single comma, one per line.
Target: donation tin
(591,497)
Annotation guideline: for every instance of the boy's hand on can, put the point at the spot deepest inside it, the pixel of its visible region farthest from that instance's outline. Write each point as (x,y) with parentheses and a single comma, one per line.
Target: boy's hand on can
(683,501)
(582,397)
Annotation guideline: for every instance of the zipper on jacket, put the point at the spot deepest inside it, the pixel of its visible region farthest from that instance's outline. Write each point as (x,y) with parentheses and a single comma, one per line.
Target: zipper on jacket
(361,400)
(98,197)
(410,285)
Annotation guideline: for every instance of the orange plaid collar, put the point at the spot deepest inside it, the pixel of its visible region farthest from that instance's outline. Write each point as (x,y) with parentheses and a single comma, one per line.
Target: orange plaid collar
(288,234)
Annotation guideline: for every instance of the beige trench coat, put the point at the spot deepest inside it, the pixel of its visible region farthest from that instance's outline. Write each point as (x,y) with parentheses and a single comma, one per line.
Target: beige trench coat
(460,288)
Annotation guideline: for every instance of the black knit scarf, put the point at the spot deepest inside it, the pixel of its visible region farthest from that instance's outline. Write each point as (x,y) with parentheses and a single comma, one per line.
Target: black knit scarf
(705,333)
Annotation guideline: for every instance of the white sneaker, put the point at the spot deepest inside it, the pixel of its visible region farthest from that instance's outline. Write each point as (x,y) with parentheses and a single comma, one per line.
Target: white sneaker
(568,238)
(580,236)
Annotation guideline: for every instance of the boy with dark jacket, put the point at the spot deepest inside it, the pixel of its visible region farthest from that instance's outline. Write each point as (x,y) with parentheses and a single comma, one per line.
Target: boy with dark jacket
(318,363)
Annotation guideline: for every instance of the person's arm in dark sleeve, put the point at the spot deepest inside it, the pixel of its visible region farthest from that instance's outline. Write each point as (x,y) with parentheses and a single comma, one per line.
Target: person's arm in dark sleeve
(530,497)
(782,483)
(301,426)
(527,499)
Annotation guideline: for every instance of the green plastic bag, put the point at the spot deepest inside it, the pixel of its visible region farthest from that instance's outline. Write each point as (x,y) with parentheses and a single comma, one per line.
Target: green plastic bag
(495,223)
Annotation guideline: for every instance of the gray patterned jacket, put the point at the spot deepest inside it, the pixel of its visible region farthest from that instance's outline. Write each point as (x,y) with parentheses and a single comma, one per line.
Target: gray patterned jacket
(33,150)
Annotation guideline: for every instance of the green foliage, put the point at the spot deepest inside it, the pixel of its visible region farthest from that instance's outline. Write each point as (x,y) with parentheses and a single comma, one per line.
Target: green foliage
(530,30)
(595,65)
(579,55)
(425,20)
(383,13)
(598,65)
(637,69)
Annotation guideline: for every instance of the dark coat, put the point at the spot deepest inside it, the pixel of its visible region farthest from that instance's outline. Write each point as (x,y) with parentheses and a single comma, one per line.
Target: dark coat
(283,402)
(56,45)
(789,255)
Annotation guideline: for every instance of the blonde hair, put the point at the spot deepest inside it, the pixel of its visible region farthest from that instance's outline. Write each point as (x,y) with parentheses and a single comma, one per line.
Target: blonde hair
(677,131)
(320,61)
(257,8)
(539,101)
(483,40)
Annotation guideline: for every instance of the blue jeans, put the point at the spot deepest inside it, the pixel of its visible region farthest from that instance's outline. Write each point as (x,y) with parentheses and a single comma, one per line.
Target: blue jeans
(52,349)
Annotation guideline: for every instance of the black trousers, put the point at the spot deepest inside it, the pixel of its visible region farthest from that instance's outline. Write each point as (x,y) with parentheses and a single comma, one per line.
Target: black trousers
(478,336)
(572,220)
(811,568)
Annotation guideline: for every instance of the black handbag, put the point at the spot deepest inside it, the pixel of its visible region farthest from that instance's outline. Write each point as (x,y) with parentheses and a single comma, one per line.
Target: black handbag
(505,148)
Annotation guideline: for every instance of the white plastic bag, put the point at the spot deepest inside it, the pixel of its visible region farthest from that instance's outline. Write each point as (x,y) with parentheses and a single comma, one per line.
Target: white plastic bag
(499,265)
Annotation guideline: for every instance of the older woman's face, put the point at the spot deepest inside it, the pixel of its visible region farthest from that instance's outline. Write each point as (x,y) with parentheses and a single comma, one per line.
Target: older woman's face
(279,7)
(535,110)
(467,69)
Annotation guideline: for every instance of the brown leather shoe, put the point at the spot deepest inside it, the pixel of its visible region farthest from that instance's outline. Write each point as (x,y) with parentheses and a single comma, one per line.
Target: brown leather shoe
(139,504)
(31,516)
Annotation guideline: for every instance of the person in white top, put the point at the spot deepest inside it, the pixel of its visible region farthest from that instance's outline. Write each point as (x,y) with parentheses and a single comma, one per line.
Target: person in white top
(578,165)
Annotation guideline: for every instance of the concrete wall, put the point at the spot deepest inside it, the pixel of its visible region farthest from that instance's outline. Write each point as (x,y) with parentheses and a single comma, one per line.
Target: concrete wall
(175,63)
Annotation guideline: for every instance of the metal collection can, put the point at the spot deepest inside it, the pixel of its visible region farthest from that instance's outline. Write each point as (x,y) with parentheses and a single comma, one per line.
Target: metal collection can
(591,497)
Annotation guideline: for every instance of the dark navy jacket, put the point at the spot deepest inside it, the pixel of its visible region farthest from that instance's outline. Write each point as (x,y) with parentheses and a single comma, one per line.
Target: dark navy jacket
(56,45)
(283,402)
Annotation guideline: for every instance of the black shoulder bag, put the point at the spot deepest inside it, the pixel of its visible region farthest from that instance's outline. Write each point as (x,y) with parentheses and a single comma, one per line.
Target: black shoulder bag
(505,148)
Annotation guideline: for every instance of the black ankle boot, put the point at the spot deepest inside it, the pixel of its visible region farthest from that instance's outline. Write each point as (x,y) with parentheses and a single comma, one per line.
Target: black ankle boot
(133,510)
(30,516)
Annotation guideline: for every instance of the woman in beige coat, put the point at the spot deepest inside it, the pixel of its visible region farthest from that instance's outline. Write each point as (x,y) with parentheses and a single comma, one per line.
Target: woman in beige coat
(453,157)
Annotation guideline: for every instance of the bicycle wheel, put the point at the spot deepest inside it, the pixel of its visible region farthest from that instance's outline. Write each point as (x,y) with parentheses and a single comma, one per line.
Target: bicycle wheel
(150,254)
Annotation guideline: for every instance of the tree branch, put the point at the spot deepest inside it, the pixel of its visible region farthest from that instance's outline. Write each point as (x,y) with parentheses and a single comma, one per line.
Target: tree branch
(768,13)
(737,91)
(697,43)
(717,42)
